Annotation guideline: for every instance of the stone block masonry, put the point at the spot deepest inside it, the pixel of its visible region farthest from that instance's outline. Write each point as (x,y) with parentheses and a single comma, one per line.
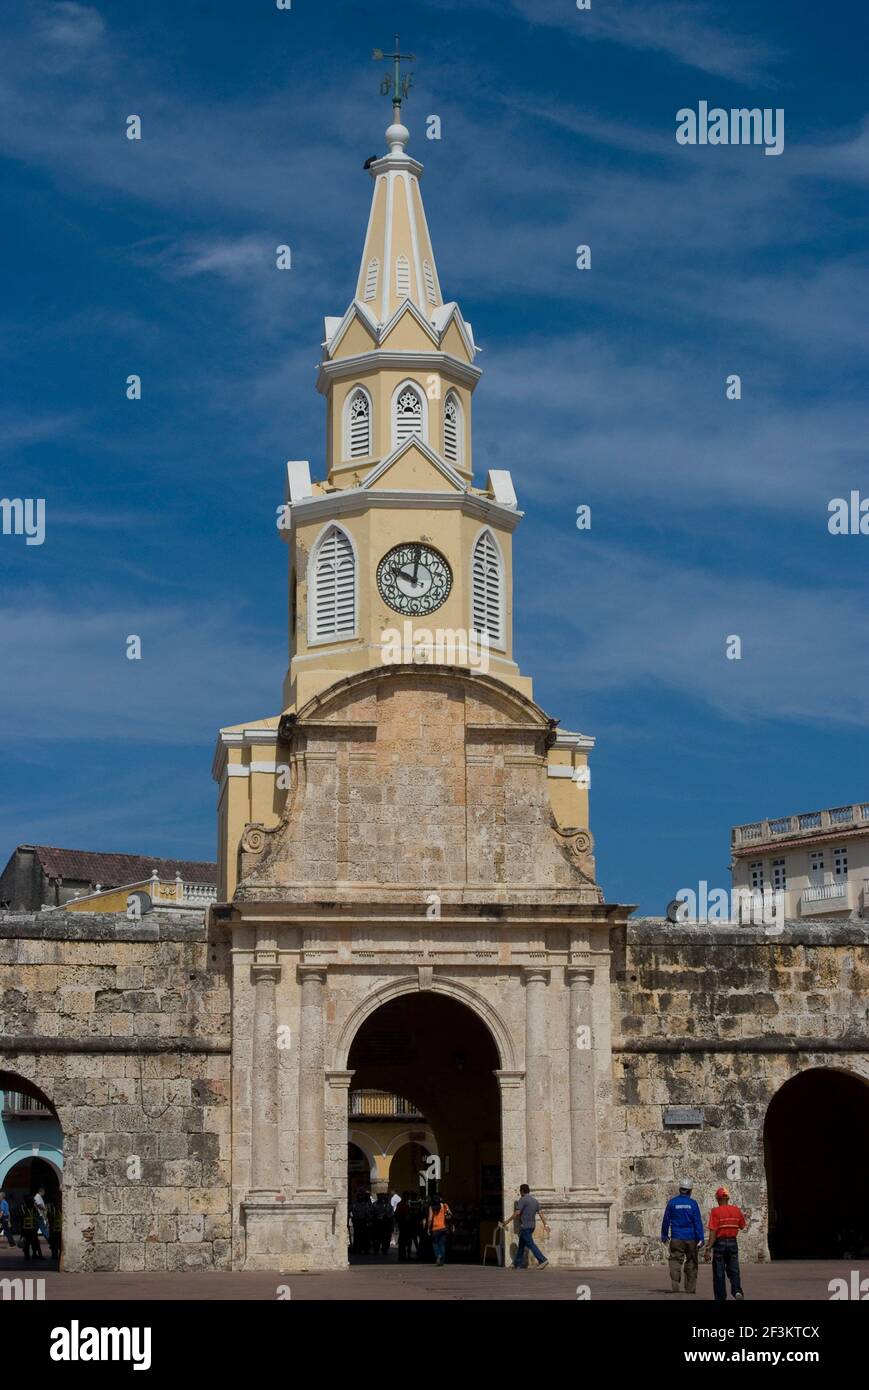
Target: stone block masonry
(125,1028)
(719,1018)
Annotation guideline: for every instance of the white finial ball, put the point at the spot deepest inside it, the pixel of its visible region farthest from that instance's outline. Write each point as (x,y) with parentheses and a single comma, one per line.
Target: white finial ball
(397,137)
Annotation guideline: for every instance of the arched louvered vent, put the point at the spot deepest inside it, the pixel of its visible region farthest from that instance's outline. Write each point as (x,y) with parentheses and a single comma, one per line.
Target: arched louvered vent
(488,604)
(430,288)
(452,429)
(358,444)
(371,279)
(334,587)
(408,414)
(402,277)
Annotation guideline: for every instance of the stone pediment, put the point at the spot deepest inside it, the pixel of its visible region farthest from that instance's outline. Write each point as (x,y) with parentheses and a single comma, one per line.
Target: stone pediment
(417,779)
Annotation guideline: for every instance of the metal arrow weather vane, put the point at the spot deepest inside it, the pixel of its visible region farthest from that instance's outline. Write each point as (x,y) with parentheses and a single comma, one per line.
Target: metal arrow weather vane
(398,85)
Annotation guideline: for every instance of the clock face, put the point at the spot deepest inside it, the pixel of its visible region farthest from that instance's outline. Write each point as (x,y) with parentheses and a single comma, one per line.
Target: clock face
(413,578)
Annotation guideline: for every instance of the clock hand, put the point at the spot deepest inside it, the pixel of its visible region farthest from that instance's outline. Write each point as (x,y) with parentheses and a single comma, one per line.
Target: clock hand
(416,566)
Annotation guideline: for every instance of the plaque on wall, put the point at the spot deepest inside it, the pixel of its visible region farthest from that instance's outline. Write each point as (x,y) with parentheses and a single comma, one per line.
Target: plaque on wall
(682,1116)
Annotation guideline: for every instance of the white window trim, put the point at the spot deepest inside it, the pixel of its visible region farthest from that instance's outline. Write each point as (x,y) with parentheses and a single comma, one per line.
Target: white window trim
(333,639)
(502,599)
(420,391)
(459,460)
(346,456)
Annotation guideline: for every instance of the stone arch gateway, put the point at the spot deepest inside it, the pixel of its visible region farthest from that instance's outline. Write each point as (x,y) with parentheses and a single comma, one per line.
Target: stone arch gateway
(417,860)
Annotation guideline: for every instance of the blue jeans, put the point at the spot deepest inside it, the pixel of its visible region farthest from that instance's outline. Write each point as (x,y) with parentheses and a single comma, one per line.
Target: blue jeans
(526,1242)
(725,1262)
(439,1244)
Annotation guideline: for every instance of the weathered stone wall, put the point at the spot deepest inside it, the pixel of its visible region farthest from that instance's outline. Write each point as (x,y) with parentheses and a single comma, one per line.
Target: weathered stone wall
(125,1027)
(719,1018)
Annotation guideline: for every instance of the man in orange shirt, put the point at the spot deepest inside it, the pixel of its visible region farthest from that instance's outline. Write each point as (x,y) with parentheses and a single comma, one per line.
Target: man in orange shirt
(725,1223)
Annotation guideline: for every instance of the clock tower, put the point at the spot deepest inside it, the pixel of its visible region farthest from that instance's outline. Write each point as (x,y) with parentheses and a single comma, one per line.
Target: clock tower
(396,537)
(396,554)
(406,870)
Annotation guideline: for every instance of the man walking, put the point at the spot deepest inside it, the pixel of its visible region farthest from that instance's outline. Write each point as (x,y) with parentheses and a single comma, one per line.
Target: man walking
(527,1209)
(725,1223)
(683,1226)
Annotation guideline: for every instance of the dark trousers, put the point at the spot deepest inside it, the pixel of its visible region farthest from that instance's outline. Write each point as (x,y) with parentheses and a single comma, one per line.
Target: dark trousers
(406,1233)
(683,1251)
(725,1265)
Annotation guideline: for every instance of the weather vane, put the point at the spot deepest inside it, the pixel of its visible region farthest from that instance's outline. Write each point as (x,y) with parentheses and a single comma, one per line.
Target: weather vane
(398,85)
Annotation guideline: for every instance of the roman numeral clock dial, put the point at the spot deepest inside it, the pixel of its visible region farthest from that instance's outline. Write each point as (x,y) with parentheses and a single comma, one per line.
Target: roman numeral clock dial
(414,579)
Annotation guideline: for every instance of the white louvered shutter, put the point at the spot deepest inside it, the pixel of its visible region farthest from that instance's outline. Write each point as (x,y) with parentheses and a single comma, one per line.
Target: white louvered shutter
(430,289)
(451,429)
(359,420)
(335,587)
(408,415)
(371,279)
(487,607)
(402,277)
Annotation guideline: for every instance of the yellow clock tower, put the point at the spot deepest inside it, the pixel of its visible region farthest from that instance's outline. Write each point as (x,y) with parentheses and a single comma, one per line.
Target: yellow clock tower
(395,555)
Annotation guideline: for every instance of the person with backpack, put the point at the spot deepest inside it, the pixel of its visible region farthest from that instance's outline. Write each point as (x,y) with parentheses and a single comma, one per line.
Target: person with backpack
(29,1232)
(683,1226)
(438,1224)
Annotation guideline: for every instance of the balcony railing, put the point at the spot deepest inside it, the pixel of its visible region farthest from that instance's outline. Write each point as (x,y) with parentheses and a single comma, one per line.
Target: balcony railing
(379,1105)
(821,892)
(809,823)
(18,1106)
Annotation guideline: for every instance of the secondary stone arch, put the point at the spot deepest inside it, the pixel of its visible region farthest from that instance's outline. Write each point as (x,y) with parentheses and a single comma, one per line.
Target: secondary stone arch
(454,989)
(816,1151)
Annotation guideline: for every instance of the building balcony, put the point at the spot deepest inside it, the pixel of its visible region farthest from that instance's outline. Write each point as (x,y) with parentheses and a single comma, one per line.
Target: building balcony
(809,825)
(379,1105)
(17,1106)
(823,898)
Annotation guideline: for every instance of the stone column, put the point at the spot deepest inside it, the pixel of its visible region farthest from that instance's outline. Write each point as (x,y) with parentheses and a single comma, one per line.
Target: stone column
(264,1164)
(538,1126)
(312,1082)
(583,1112)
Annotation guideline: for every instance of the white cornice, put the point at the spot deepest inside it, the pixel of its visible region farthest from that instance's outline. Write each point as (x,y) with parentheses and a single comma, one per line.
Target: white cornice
(360,499)
(238,738)
(565,739)
(463,372)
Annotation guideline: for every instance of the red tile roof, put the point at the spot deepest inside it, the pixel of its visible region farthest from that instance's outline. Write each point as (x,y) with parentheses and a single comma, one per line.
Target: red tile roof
(113,870)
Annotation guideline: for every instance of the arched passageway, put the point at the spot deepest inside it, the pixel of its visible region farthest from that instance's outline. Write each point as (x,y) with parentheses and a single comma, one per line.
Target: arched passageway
(816,1150)
(435,1053)
(31,1160)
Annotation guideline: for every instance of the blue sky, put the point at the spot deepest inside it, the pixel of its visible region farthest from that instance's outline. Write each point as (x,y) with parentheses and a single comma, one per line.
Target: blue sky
(603,387)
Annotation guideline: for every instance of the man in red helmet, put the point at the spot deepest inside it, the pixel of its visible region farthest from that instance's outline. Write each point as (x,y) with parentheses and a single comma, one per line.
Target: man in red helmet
(725,1223)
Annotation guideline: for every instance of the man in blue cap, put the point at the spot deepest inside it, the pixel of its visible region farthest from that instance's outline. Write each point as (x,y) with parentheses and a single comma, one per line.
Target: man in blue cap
(683,1225)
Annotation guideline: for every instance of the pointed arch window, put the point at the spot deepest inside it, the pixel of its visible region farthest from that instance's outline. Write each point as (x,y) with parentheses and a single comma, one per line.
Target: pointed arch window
(332,587)
(408,414)
(453,428)
(402,277)
(430,287)
(357,425)
(487,587)
(371,278)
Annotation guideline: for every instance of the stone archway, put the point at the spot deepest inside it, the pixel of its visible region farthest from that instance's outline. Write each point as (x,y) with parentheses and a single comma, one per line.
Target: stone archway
(438,1052)
(31,1149)
(816,1153)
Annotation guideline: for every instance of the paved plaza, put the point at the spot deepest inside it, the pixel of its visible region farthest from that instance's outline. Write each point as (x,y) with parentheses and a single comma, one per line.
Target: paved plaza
(795,1281)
